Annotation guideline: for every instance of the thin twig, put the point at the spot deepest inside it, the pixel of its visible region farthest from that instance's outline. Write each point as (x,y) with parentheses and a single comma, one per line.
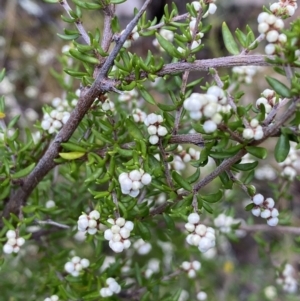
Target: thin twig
(185,75)
(87,97)
(53,223)
(267,228)
(164,160)
(161,24)
(257,40)
(78,22)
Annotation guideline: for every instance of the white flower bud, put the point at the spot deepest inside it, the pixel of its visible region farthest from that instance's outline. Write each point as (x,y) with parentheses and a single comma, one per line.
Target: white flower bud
(191,274)
(84,262)
(266,213)
(186,265)
(94,214)
(248,134)
(11,234)
(194,218)
(270,49)
(8,249)
(126,243)
(269,202)
(92,223)
(201,296)
(120,221)
(209,126)
(116,246)
(162,131)
(125,233)
(135,175)
(69,267)
(108,235)
(195,239)
(272,36)
(256,211)
(129,225)
(20,241)
(153,139)
(258,199)
(146,179)
(152,130)
(262,17)
(200,230)
(274,212)
(196,265)
(263,27)
(273,221)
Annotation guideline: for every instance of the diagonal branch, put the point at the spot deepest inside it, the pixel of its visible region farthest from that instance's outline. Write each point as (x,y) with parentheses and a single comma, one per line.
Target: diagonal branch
(87,97)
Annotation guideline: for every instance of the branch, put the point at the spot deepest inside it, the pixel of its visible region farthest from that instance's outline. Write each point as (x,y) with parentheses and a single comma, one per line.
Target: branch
(78,22)
(87,97)
(267,228)
(53,223)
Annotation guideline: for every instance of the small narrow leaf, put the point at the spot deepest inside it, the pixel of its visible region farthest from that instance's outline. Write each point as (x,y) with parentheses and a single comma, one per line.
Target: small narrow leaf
(229,41)
(147,96)
(181,181)
(72,155)
(282,148)
(24,172)
(256,151)
(133,129)
(279,87)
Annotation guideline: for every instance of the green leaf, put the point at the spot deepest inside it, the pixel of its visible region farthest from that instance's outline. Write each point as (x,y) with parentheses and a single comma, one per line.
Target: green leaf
(181,181)
(83,57)
(282,148)
(194,177)
(68,37)
(169,221)
(207,207)
(214,197)
(245,166)
(279,87)
(147,96)
(257,151)
(167,46)
(143,230)
(229,41)
(249,206)
(133,129)
(2,74)
(227,183)
(71,155)
(24,172)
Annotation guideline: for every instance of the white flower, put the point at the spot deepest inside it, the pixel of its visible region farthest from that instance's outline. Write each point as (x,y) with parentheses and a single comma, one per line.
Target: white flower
(209,126)
(194,218)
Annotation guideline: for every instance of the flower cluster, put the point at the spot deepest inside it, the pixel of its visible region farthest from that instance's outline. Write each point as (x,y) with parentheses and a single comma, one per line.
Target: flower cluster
(89,222)
(52,298)
(265,172)
(14,242)
(54,120)
(155,129)
(191,268)
(201,236)
(284,8)
(107,105)
(265,209)
(153,267)
(268,99)
(132,182)
(211,6)
(224,222)
(182,157)
(138,115)
(287,279)
(207,106)
(76,265)
(245,73)
(119,233)
(291,164)
(270,25)
(113,287)
(254,131)
(167,35)
(142,247)
(134,35)
(128,95)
